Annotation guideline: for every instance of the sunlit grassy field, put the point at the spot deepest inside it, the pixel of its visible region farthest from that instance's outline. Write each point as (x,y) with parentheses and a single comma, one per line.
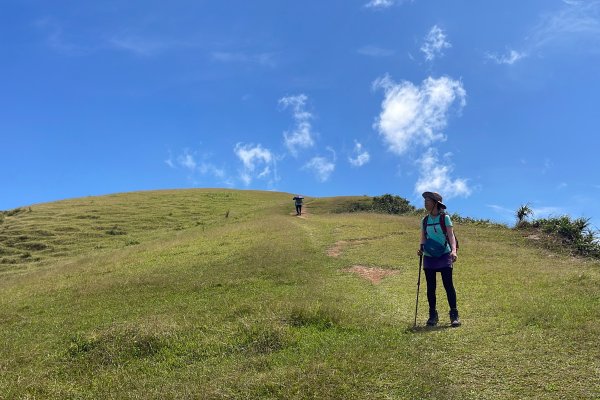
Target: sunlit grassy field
(216,294)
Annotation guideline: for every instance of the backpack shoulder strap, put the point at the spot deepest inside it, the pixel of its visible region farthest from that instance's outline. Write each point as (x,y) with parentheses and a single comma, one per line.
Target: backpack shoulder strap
(425,225)
(443,223)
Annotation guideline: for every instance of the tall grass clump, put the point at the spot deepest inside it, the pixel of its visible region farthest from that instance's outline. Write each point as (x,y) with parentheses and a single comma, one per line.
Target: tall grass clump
(575,235)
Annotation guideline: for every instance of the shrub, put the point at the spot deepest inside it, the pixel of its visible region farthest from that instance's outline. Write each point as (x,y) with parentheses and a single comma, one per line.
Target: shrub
(358,206)
(115,230)
(574,234)
(13,212)
(392,204)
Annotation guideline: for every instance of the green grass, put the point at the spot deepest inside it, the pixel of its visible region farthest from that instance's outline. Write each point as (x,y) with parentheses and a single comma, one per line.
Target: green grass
(181,302)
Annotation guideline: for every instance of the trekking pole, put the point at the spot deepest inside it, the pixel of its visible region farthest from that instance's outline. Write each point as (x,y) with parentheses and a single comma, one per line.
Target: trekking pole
(418,286)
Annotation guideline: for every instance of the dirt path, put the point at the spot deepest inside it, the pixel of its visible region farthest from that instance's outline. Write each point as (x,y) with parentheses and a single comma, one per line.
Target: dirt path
(304,214)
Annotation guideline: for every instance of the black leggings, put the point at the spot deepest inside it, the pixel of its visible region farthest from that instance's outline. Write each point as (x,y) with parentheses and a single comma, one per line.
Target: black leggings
(448,285)
(298,208)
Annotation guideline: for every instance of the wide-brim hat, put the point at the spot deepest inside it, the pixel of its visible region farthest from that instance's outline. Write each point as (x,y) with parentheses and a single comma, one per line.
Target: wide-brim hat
(435,197)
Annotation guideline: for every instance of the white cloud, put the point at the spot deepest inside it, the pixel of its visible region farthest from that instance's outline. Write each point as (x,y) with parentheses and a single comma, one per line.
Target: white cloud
(322,167)
(301,137)
(575,26)
(187,160)
(250,156)
(190,162)
(361,156)
(416,115)
(169,161)
(435,177)
(510,58)
(561,186)
(374,51)
(379,3)
(435,43)
(210,169)
(255,158)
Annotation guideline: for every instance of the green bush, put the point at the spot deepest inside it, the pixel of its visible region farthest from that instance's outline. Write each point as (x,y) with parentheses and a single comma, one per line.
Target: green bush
(575,234)
(358,206)
(387,204)
(392,204)
(14,211)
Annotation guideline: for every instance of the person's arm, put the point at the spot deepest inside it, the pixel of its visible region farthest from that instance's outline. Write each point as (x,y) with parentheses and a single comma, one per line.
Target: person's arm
(423,239)
(452,242)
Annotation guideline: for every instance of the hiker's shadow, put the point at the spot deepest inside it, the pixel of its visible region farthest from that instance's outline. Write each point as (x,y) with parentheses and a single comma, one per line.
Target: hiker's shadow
(428,329)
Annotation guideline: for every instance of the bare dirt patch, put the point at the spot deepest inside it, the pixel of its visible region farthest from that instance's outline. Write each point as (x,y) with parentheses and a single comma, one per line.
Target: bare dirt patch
(336,249)
(372,274)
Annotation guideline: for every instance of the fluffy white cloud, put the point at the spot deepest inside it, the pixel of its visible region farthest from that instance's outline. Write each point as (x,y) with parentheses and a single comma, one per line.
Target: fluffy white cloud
(379,3)
(322,167)
(254,158)
(510,58)
(416,115)
(361,156)
(301,137)
(435,43)
(434,176)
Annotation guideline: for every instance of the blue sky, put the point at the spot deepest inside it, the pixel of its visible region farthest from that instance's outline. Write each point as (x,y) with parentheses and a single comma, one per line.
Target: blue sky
(494,104)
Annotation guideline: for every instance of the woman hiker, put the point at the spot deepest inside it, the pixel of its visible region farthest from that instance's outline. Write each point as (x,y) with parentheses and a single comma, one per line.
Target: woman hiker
(438,246)
(298,201)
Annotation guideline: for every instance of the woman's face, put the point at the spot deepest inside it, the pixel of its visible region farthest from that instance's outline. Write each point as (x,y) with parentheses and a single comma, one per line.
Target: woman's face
(429,204)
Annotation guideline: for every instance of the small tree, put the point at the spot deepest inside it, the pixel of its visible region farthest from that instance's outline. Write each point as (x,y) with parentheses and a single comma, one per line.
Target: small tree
(392,204)
(523,212)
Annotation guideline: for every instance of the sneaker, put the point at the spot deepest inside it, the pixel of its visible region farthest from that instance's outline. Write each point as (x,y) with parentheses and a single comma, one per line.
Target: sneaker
(433,318)
(454,321)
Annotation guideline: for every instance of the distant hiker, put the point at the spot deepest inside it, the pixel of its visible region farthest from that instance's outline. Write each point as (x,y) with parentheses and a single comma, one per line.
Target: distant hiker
(438,246)
(298,201)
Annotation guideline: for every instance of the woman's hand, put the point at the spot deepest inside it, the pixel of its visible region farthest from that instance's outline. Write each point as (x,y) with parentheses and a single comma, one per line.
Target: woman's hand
(420,251)
(454,256)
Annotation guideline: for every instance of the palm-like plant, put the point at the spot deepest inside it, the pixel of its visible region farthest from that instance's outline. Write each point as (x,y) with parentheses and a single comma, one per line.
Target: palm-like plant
(523,212)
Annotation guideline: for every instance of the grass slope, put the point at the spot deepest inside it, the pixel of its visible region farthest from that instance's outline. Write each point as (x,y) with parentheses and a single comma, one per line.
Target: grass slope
(184,302)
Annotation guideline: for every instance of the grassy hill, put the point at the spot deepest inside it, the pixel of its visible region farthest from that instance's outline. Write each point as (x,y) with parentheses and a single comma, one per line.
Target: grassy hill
(218,294)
